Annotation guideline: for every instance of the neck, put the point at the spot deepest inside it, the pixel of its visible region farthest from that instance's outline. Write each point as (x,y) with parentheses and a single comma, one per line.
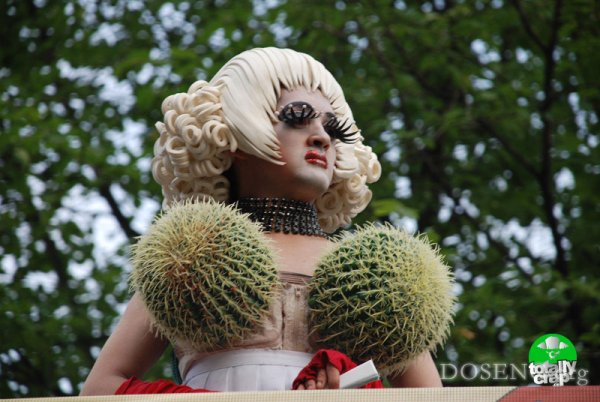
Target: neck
(283,215)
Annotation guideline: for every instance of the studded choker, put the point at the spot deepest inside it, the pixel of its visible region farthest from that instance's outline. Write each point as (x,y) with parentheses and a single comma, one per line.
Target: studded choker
(283,215)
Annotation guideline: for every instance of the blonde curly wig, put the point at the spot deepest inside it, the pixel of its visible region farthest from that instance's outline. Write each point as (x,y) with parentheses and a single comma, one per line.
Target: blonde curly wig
(236,110)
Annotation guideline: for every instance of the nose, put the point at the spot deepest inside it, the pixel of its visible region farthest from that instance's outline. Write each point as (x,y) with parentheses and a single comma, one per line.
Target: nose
(319,137)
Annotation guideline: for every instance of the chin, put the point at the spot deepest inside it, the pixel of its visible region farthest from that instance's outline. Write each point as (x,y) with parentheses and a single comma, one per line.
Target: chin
(304,183)
(313,188)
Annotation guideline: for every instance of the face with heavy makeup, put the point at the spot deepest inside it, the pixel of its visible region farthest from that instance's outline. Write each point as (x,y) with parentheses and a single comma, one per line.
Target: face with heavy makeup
(306,147)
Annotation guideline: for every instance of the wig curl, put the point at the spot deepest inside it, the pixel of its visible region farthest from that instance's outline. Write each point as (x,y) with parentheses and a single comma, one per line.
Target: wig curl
(236,110)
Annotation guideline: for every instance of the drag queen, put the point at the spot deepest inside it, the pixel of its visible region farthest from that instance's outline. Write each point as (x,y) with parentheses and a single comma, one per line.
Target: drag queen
(270,132)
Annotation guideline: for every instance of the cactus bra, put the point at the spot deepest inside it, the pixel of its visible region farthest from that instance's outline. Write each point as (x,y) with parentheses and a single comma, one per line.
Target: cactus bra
(283,215)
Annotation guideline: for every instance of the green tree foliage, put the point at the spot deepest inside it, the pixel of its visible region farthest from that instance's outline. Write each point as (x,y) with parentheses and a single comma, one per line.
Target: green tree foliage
(485,115)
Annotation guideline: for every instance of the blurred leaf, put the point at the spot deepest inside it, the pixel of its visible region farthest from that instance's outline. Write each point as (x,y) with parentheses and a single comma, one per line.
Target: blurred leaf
(384,207)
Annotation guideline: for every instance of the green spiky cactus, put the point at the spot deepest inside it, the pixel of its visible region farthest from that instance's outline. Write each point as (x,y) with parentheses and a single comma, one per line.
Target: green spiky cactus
(381,294)
(206,274)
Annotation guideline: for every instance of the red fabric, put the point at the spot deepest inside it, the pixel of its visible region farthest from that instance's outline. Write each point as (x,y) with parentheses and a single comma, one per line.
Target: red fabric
(320,360)
(136,386)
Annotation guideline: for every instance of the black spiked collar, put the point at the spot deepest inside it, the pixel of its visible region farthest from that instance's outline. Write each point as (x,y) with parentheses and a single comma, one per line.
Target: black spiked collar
(283,215)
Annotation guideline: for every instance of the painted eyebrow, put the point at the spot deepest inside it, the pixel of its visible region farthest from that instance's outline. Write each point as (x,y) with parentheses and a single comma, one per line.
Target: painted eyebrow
(297,105)
(300,103)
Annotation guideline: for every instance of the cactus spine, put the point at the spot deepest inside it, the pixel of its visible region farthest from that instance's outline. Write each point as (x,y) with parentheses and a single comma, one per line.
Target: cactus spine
(381,294)
(206,274)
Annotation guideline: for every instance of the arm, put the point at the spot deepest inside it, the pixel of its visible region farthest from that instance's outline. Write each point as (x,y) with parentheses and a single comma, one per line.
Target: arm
(421,373)
(130,351)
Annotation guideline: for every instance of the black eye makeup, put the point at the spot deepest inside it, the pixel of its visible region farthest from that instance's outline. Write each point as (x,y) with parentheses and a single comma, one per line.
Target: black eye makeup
(297,113)
(340,130)
(300,113)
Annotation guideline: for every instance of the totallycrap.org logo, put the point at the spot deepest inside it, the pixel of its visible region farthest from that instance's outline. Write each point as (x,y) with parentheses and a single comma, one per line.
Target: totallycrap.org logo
(552,360)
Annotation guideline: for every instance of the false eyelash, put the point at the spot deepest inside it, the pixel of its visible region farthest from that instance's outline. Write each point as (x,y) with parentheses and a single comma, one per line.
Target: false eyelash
(297,113)
(339,130)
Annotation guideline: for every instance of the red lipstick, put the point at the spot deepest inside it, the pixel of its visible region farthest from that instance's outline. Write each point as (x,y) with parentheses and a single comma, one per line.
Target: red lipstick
(316,158)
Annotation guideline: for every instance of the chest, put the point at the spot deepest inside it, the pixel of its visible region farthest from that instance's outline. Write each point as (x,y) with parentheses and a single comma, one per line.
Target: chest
(300,257)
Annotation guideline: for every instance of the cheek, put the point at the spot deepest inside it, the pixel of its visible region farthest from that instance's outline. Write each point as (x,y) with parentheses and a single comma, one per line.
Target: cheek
(286,142)
(331,152)
(331,156)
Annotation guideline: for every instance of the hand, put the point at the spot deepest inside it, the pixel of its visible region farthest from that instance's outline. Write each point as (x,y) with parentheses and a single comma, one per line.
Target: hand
(328,378)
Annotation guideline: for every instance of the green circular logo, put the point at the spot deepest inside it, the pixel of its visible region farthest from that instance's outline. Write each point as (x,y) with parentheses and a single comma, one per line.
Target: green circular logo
(551,348)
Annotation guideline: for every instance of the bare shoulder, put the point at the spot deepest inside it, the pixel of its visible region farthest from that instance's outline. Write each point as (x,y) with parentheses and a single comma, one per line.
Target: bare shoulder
(421,373)
(130,351)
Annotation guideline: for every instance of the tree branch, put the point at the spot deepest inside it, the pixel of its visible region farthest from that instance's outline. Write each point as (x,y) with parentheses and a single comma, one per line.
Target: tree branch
(527,26)
(408,65)
(546,179)
(438,177)
(489,128)
(104,190)
(573,310)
